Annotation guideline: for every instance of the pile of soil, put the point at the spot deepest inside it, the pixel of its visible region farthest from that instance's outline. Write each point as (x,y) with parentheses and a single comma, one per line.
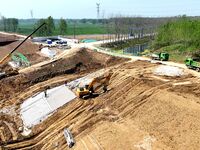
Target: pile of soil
(78,62)
(28,49)
(4,38)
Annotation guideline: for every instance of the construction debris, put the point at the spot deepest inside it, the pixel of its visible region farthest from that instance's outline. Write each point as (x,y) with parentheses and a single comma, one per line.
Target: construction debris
(69,138)
(48,53)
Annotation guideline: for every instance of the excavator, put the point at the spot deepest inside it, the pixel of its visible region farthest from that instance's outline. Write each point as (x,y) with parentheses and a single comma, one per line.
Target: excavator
(89,89)
(10,72)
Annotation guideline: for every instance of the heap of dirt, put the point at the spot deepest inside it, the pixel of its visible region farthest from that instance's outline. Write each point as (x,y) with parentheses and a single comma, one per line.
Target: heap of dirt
(29,49)
(4,38)
(82,61)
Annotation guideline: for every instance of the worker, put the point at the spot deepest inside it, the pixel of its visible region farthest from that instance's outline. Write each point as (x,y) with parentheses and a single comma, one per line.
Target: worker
(105,88)
(65,83)
(45,92)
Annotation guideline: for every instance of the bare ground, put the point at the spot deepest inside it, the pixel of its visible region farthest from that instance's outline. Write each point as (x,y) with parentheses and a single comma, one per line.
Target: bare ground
(140,111)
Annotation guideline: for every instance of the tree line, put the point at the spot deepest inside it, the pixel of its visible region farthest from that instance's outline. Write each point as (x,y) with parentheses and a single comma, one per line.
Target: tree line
(12,25)
(9,24)
(49,28)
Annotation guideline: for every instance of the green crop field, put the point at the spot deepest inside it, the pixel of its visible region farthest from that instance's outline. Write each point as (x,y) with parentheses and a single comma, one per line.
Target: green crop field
(80,28)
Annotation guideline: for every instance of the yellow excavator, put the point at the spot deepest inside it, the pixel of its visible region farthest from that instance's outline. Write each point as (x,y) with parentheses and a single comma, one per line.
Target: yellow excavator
(89,89)
(11,72)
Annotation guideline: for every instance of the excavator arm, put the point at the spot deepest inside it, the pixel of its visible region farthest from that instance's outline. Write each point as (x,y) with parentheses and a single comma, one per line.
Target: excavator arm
(4,73)
(5,59)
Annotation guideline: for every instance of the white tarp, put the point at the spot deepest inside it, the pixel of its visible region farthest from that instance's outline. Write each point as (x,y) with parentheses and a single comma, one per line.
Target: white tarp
(47,52)
(168,71)
(38,108)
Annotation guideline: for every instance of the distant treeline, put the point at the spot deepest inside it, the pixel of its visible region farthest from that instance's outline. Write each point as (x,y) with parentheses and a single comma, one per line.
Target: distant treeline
(114,25)
(9,24)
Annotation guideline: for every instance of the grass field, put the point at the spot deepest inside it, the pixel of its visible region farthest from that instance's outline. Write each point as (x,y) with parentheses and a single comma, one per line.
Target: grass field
(80,28)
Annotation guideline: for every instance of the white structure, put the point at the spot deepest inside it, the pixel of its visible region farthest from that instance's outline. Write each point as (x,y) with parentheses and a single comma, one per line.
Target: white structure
(168,71)
(47,52)
(37,108)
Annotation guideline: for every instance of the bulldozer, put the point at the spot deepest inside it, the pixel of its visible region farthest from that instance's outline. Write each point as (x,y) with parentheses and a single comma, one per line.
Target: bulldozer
(90,89)
(9,72)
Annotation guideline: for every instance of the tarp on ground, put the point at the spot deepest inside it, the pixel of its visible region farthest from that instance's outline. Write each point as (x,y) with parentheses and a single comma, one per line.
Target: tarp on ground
(88,40)
(47,52)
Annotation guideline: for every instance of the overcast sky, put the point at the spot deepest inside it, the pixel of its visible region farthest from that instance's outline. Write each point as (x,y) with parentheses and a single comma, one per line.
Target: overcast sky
(87,8)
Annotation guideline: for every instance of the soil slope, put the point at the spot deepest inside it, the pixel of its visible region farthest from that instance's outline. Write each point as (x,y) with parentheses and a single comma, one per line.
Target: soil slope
(140,111)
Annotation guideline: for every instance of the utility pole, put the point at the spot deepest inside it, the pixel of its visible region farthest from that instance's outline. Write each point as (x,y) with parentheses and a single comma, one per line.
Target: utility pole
(103,23)
(74,29)
(31,12)
(98,11)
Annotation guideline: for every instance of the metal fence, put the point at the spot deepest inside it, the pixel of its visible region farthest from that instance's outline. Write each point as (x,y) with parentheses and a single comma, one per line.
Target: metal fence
(136,50)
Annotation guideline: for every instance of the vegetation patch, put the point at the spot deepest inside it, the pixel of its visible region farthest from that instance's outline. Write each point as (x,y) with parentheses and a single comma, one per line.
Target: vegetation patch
(127,43)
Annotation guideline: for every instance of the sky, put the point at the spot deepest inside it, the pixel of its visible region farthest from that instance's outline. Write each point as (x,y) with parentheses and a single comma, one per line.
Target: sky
(78,9)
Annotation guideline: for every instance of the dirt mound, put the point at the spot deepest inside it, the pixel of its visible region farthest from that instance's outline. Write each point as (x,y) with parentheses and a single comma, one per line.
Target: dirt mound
(4,38)
(78,62)
(28,49)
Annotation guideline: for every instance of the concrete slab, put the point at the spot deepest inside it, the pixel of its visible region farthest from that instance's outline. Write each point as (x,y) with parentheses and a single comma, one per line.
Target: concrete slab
(37,108)
(59,96)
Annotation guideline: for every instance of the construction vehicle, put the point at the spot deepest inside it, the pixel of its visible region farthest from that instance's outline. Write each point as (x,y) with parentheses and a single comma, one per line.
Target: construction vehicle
(3,62)
(69,138)
(89,89)
(192,64)
(160,56)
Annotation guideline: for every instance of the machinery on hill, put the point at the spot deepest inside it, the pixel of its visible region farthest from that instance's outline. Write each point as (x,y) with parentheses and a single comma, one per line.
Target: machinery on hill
(160,56)
(192,64)
(89,89)
(17,56)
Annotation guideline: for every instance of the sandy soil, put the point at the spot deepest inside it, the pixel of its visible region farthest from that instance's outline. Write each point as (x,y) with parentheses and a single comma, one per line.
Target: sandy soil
(140,111)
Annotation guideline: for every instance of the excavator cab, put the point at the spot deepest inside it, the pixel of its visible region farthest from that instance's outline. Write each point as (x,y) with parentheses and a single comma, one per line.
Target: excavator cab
(90,88)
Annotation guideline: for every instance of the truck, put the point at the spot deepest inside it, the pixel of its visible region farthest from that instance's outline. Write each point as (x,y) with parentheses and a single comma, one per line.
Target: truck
(192,64)
(160,56)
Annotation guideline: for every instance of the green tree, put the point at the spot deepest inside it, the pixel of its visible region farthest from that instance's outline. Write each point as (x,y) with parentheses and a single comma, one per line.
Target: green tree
(15,23)
(4,23)
(62,26)
(42,31)
(10,24)
(50,26)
